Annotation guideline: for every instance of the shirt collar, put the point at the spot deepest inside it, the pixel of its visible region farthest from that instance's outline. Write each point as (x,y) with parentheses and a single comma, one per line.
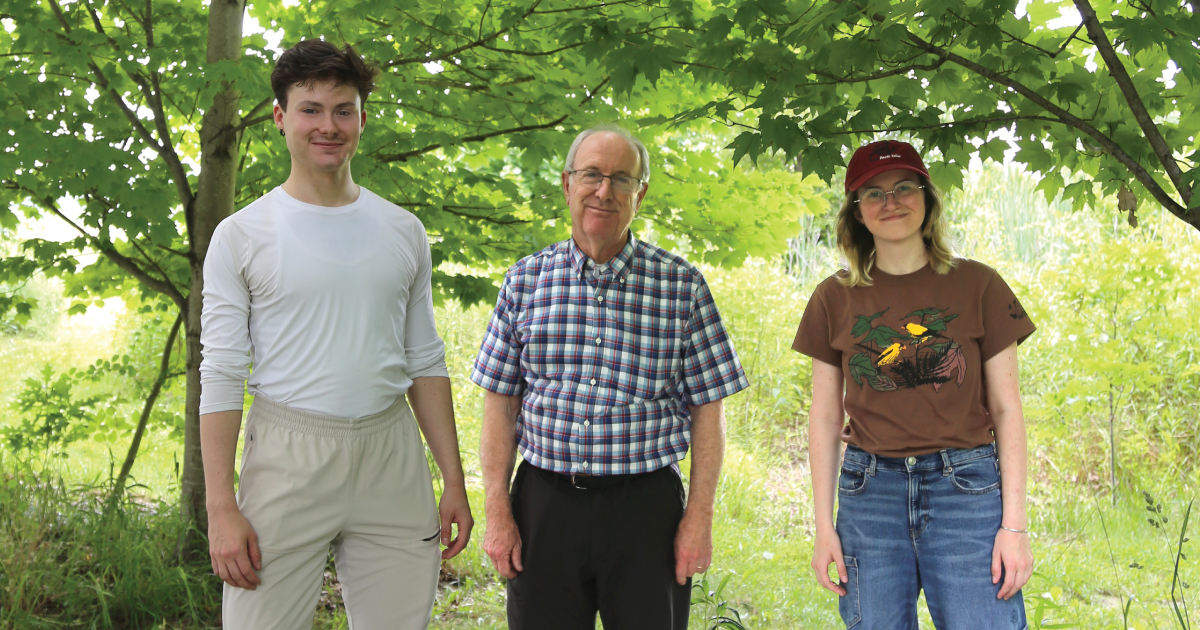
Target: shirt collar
(620,264)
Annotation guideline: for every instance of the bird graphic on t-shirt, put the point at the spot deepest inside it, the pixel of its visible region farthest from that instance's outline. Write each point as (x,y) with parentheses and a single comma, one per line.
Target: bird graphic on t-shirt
(890,354)
(916,330)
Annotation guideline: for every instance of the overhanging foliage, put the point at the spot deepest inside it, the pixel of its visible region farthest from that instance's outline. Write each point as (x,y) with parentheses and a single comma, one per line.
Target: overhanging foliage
(1083,92)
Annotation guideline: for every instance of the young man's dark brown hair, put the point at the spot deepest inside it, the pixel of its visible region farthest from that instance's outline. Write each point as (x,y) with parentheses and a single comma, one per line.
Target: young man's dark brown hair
(317,60)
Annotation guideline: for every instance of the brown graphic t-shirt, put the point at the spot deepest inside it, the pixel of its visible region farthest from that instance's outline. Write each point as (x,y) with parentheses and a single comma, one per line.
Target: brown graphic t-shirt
(911,348)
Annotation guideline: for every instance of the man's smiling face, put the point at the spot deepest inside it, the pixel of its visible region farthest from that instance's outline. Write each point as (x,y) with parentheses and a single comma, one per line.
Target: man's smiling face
(601,215)
(322,123)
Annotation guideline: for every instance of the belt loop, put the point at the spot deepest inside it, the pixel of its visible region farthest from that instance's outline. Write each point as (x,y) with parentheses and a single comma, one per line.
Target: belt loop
(947,467)
(871,468)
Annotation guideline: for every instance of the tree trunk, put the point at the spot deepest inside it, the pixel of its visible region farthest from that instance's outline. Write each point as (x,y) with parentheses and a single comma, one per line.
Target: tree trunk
(214,201)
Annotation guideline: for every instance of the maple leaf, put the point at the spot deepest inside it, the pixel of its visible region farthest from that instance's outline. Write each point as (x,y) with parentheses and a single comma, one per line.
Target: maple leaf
(952,360)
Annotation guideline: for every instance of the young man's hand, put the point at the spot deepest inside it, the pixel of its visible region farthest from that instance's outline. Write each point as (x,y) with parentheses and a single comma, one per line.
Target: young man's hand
(454,508)
(233,548)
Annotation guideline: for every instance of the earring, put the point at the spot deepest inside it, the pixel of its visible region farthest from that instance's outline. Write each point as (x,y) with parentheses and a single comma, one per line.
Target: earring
(281,132)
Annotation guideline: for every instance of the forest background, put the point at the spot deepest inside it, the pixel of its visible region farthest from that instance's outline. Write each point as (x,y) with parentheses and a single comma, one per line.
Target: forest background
(1061,131)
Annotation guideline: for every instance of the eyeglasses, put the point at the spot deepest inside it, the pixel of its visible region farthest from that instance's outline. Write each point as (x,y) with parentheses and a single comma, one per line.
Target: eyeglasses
(873,198)
(621,183)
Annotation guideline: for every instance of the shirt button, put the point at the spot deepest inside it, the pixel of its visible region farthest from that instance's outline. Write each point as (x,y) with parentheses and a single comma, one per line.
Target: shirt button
(597,341)
(593,381)
(585,464)
(587,423)
(622,280)
(911,461)
(600,298)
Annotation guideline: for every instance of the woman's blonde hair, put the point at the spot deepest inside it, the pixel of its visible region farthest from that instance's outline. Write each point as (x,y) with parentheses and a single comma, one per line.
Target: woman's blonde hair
(858,245)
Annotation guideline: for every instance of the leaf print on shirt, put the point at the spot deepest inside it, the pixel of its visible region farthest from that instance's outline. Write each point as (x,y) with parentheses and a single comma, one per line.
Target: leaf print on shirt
(912,354)
(1015,310)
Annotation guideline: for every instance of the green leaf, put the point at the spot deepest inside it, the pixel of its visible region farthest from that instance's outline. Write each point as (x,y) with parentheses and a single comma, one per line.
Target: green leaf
(883,336)
(861,366)
(923,313)
(939,324)
(863,325)
(747,143)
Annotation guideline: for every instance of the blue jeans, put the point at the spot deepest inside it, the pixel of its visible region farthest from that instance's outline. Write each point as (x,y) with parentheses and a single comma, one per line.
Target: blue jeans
(926,522)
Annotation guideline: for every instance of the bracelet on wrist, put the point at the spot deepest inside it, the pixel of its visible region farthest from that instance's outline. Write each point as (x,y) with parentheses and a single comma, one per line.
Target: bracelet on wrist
(1015,531)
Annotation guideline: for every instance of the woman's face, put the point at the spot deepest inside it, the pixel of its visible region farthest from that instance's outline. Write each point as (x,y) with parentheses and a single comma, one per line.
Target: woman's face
(892,206)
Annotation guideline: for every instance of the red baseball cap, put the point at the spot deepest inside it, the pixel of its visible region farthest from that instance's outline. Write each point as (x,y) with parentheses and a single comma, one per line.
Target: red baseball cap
(877,157)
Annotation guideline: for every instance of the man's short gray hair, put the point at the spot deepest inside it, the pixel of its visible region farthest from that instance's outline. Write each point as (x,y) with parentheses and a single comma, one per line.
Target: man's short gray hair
(638,147)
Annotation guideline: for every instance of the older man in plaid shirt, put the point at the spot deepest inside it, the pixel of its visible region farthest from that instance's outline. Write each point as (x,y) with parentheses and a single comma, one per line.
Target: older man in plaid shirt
(604,361)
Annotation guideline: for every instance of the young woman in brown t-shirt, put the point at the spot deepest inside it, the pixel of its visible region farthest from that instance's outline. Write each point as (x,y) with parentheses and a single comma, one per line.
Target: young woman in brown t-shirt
(931,494)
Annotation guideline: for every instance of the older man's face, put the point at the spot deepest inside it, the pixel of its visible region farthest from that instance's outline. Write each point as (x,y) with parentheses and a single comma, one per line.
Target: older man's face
(600,215)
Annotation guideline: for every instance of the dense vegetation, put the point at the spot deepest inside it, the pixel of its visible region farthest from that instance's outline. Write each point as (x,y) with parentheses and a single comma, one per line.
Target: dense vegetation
(133,127)
(1115,309)
(152,117)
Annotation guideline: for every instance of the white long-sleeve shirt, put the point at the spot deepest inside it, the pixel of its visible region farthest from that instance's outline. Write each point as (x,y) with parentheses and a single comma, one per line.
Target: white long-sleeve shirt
(332,305)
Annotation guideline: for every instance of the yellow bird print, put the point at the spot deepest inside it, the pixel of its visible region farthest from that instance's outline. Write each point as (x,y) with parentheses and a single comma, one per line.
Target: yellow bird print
(890,354)
(916,330)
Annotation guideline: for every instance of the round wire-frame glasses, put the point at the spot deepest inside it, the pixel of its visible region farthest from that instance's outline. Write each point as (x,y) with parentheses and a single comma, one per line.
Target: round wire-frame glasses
(876,197)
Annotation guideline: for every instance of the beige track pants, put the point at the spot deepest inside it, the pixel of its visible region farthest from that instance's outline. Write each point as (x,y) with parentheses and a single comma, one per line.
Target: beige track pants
(309,481)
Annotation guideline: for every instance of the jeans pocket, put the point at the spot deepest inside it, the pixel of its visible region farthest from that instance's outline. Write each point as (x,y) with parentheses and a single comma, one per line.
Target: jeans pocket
(848,604)
(852,480)
(978,476)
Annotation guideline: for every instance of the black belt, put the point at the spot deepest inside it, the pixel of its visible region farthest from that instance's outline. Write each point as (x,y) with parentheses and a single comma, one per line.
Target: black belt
(591,482)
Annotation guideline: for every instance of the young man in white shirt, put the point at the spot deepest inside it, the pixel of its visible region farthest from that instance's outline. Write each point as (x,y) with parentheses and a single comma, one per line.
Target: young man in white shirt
(325,288)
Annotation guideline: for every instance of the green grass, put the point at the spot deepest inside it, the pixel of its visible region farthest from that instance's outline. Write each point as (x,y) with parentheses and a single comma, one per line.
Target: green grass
(64,565)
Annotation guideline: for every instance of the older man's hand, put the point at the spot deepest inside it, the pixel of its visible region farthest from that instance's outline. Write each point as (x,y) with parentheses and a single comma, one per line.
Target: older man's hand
(693,545)
(502,542)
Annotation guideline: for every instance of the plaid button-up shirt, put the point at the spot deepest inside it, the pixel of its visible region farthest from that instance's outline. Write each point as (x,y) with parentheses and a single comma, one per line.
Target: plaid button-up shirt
(607,357)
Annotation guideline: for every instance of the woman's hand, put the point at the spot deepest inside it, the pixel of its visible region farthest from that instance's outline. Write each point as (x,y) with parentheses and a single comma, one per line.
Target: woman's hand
(1012,553)
(827,550)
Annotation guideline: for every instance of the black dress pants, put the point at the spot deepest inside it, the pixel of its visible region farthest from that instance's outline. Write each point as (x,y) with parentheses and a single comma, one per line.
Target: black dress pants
(602,549)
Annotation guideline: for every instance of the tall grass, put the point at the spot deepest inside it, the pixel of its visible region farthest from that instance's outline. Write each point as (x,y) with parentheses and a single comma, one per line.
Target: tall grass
(64,564)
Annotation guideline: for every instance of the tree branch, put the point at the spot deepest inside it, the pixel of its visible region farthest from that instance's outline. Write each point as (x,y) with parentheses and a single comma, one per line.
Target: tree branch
(1139,172)
(404,157)
(247,123)
(165,151)
(162,272)
(147,407)
(602,5)
(483,16)
(1119,74)
(148,25)
(410,60)
(163,285)
(87,4)
(174,251)
(261,104)
(882,75)
(524,53)
(1065,42)
(1018,40)
(949,125)
(451,209)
